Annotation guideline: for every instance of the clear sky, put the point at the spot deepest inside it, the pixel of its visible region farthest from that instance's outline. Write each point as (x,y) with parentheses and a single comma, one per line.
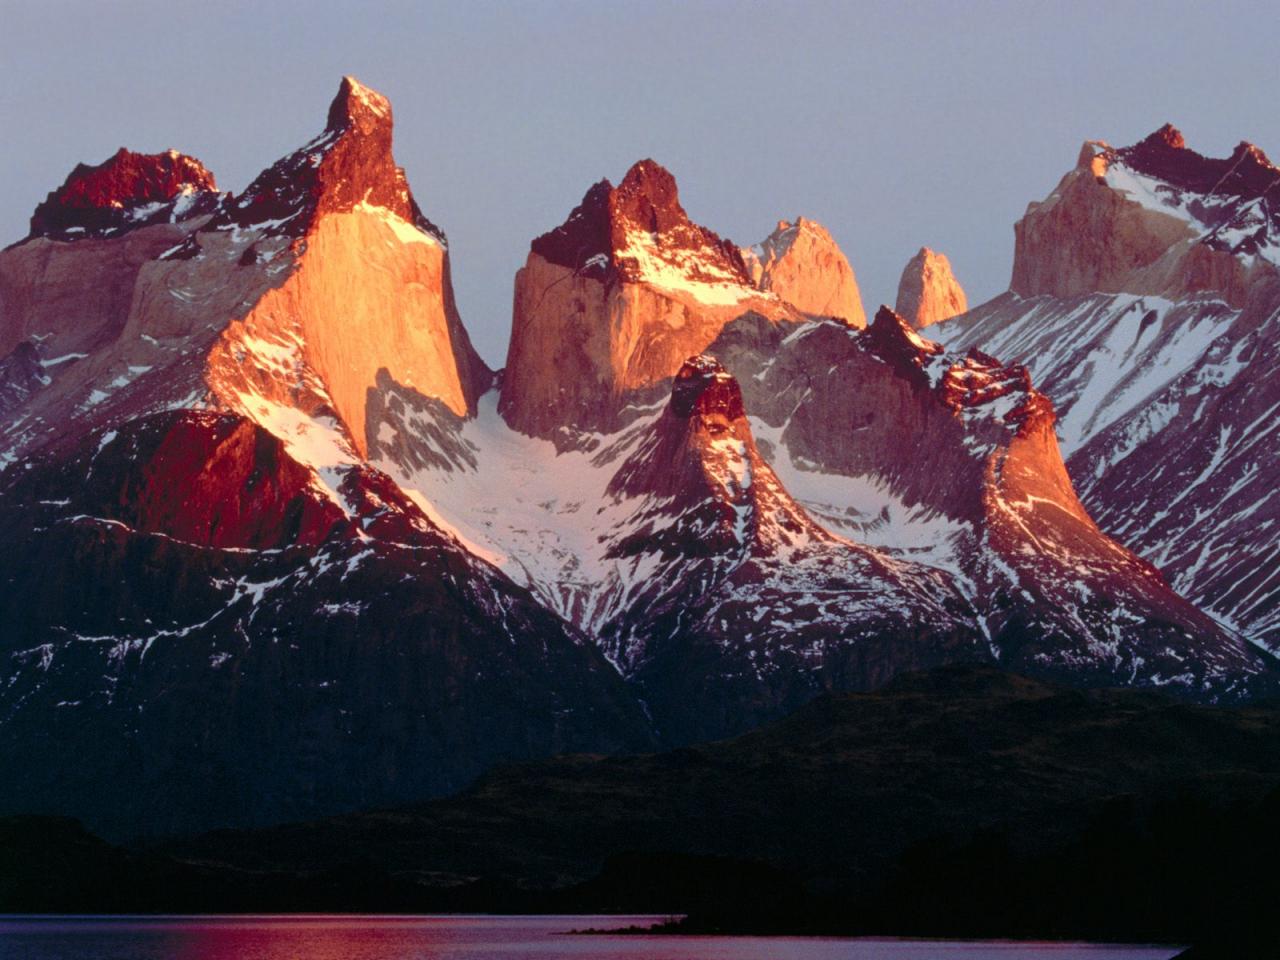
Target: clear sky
(894,124)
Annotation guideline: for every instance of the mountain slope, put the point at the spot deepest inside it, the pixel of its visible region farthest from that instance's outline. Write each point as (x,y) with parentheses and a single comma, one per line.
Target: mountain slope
(1166,380)
(747,608)
(951,460)
(214,609)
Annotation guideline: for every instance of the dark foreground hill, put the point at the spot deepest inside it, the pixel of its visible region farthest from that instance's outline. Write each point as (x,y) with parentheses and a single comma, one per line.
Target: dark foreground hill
(963,801)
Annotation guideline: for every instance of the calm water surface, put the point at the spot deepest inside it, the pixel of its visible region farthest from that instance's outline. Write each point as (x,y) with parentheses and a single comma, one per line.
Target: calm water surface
(468,938)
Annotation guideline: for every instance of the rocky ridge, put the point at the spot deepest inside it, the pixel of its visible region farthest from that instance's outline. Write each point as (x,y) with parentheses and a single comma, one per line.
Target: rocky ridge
(1166,280)
(686,507)
(980,491)
(126,191)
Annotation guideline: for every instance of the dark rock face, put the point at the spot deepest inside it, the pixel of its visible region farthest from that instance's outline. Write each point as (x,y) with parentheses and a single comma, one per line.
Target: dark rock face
(214,480)
(1246,174)
(703,386)
(21,375)
(126,191)
(595,235)
(185,686)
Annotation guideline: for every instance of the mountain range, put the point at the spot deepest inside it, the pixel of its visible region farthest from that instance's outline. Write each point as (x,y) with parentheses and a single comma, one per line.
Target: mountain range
(282,545)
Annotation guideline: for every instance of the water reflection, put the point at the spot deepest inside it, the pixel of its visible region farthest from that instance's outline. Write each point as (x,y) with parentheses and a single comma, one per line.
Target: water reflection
(467,938)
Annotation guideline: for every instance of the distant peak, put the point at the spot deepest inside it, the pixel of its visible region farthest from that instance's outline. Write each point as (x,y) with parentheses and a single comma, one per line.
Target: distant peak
(802,263)
(357,106)
(928,291)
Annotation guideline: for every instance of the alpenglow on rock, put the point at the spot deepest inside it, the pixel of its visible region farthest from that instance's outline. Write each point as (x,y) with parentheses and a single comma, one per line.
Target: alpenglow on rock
(802,264)
(279,546)
(928,291)
(610,303)
(211,603)
(1154,218)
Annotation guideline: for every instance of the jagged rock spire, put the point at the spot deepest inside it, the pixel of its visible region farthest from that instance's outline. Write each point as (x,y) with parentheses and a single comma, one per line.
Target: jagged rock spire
(599,234)
(358,106)
(802,263)
(349,164)
(928,291)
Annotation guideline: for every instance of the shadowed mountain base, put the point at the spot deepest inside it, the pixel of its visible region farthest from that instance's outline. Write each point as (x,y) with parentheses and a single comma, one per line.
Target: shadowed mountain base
(960,802)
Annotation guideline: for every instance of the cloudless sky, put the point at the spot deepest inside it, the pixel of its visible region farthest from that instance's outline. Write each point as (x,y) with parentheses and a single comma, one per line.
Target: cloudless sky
(894,124)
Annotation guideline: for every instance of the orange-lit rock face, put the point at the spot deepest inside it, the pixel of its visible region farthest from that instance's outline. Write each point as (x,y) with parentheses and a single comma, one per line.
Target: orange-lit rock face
(580,345)
(802,264)
(613,301)
(396,317)
(928,291)
(293,296)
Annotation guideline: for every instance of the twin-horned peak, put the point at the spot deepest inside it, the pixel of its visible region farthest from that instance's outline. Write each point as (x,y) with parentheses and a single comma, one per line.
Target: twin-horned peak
(610,303)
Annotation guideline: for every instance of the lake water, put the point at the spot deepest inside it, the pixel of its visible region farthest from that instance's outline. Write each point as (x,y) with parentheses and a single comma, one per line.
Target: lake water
(470,938)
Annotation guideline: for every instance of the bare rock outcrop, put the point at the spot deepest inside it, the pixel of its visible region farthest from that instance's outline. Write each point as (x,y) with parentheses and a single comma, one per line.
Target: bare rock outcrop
(611,303)
(803,265)
(1154,218)
(292,296)
(928,291)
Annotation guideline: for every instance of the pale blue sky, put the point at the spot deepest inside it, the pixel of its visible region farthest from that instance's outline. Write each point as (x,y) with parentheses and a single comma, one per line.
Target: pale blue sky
(894,124)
